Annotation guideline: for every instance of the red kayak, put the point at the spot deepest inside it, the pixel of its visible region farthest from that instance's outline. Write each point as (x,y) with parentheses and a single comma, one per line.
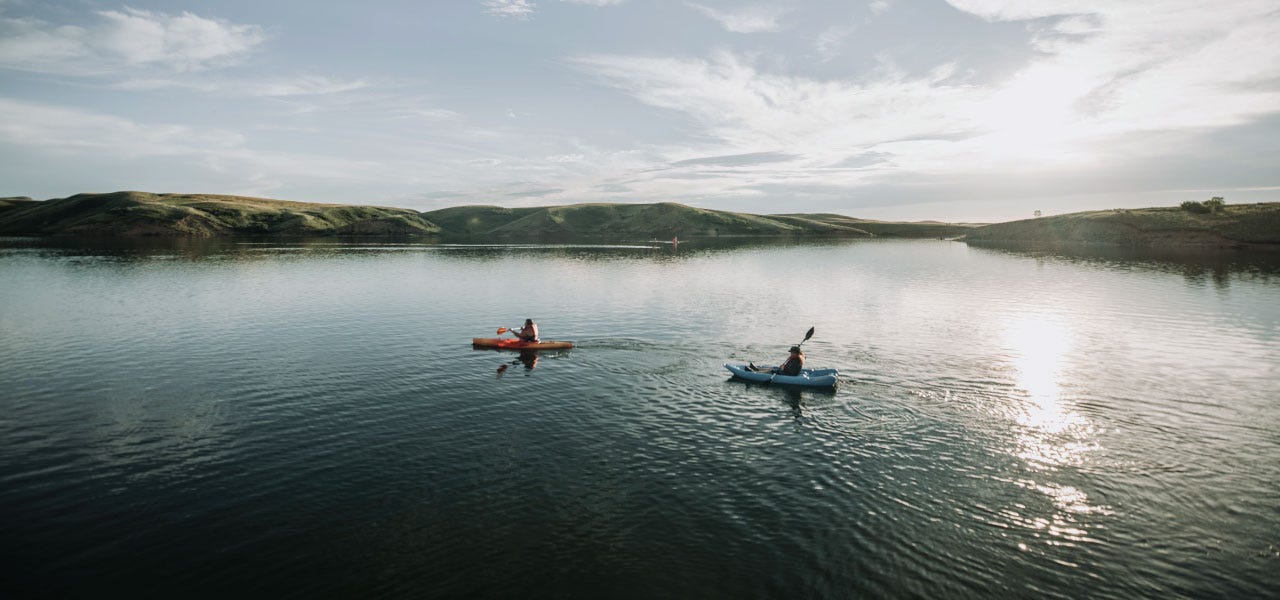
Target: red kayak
(515,344)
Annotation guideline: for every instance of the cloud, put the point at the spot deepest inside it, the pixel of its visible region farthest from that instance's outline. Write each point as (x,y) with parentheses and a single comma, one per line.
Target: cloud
(433,114)
(1112,83)
(879,7)
(511,9)
(124,40)
(830,42)
(733,160)
(566,158)
(303,85)
(70,130)
(595,2)
(90,138)
(535,193)
(1119,67)
(751,19)
(752,111)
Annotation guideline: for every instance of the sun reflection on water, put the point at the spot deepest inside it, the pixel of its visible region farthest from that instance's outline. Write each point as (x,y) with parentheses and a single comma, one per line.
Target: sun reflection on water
(1050,433)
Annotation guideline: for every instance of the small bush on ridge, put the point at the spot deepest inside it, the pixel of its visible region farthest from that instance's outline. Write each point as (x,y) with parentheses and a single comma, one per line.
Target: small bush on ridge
(1192,206)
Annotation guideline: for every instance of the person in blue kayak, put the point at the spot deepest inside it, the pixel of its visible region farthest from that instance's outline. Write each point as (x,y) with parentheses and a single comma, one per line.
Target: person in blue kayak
(528,333)
(791,366)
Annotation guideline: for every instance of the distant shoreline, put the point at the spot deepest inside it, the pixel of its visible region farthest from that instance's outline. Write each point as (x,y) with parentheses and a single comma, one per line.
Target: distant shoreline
(148,215)
(143,214)
(1231,227)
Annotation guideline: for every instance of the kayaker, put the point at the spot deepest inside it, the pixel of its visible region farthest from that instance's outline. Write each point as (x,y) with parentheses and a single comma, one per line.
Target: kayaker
(791,366)
(528,333)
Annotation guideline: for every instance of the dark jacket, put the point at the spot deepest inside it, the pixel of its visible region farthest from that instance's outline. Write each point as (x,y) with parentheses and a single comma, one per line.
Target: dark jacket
(792,366)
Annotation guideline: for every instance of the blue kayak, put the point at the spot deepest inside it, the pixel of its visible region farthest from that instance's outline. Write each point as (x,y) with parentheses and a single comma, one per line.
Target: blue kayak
(807,377)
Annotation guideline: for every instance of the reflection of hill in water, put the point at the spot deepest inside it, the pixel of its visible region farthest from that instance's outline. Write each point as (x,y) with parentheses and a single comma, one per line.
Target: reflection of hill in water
(1197,265)
(252,248)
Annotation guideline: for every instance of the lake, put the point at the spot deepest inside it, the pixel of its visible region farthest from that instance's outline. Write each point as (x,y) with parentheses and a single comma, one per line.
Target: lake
(308,418)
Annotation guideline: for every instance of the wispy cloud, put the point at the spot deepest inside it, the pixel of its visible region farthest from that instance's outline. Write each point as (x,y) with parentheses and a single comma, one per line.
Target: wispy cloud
(830,42)
(432,114)
(535,193)
(1173,65)
(1107,84)
(879,7)
(511,9)
(732,160)
(71,130)
(753,111)
(72,133)
(304,85)
(750,19)
(123,40)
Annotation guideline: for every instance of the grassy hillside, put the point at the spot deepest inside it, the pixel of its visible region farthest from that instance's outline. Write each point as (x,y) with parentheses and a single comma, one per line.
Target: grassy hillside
(922,229)
(474,220)
(582,220)
(1235,225)
(8,204)
(141,213)
(662,220)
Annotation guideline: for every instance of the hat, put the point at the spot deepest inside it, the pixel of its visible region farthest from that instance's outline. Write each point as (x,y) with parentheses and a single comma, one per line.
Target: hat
(795,349)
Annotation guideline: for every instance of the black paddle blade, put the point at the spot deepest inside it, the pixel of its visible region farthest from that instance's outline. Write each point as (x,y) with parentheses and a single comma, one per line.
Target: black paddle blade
(807,336)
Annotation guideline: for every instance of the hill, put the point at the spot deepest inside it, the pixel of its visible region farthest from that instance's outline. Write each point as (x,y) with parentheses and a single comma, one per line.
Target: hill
(141,213)
(7,204)
(660,220)
(146,214)
(590,220)
(920,229)
(1233,226)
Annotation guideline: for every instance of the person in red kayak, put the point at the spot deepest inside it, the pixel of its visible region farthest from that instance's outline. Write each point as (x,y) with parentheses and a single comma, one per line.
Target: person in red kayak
(791,366)
(528,333)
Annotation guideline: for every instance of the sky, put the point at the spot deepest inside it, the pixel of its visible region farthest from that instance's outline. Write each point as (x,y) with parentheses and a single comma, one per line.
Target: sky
(955,110)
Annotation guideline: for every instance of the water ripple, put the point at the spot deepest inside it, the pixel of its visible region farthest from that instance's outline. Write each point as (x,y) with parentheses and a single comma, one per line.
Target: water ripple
(312,421)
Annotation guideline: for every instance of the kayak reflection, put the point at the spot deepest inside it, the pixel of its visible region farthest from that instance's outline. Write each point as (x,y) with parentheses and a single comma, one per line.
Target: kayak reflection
(528,358)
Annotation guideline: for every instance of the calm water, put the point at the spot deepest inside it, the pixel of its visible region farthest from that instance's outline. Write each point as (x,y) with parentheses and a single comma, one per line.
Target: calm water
(309,419)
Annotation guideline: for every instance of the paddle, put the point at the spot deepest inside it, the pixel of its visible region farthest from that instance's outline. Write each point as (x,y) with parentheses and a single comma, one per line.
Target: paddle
(502,330)
(807,335)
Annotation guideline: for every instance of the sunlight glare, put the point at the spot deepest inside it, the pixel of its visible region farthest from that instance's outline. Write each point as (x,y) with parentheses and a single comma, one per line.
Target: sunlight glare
(1039,346)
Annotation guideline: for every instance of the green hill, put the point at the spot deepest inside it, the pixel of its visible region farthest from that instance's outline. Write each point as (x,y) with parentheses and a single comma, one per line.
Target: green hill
(141,214)
(8,204)
(145,214)
(1233,226)
(591,220)
(661,220)
(921,229)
